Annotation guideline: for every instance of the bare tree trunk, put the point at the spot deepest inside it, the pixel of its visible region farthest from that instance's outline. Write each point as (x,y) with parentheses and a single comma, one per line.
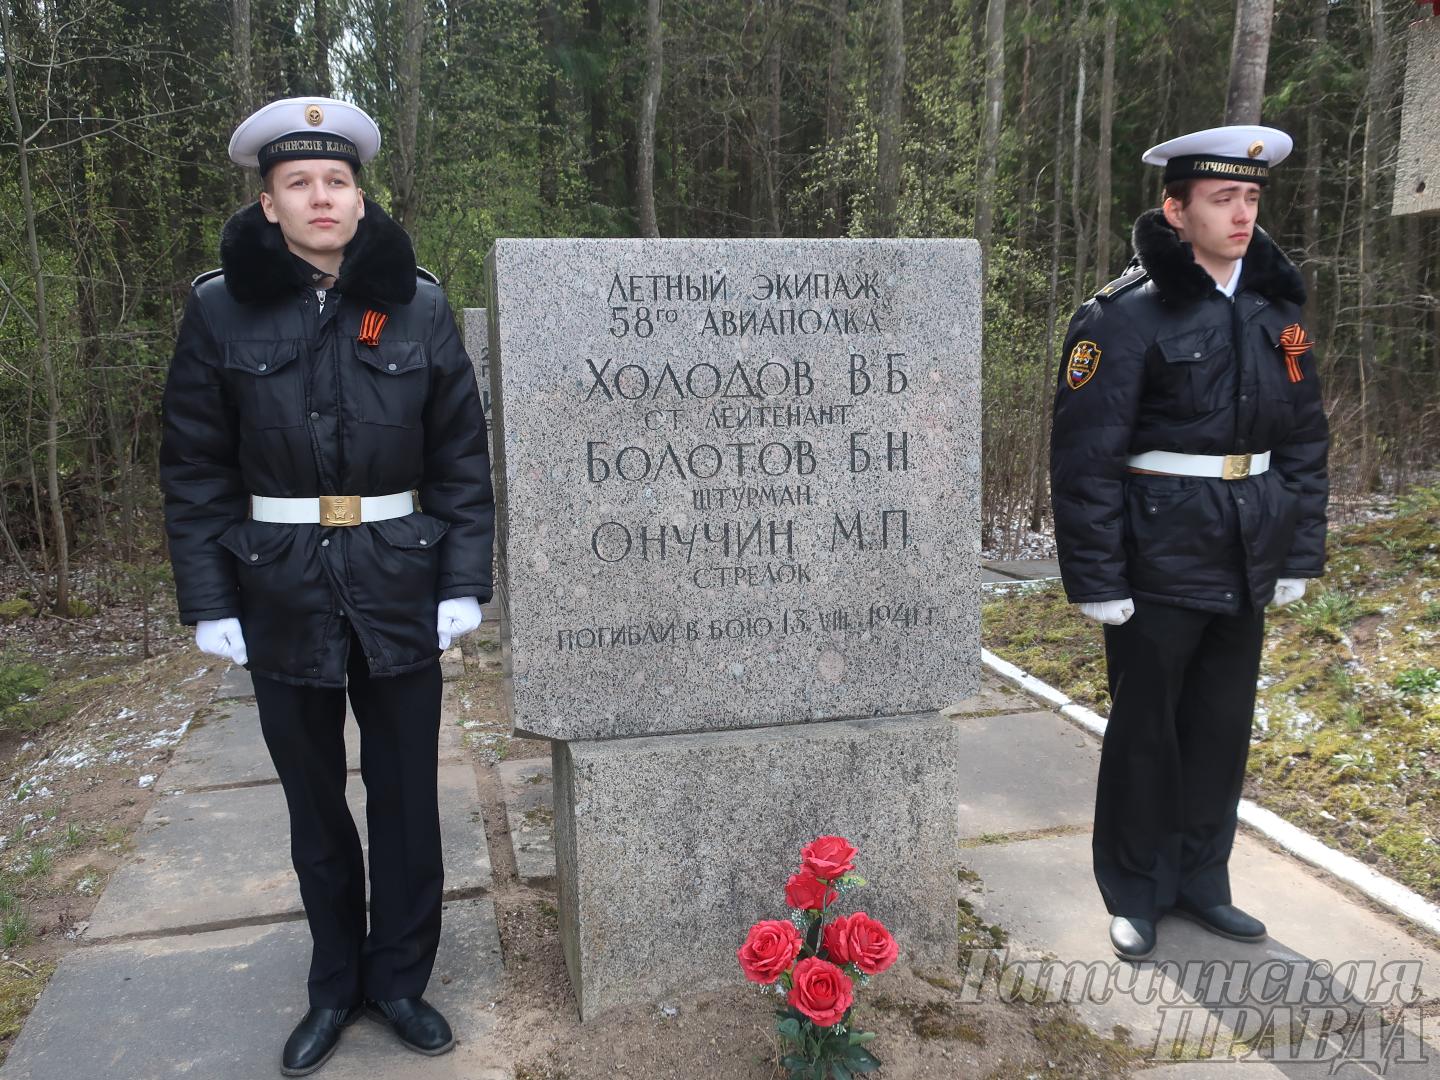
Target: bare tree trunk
(1103,195)
(990,128)
(834,119)
(1249,56)
(240,56)
(1376,102)
(649,104)
(42,332)
(1027,46)
(1052,303)
(892,90)
(772,149)
(405,162)
(323,83)
(1314,156)
(1082,233)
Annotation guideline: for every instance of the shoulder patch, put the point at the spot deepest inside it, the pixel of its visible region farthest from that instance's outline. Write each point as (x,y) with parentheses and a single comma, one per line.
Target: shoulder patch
(426,275)
(1081,366)
(206,276)
(1123,283)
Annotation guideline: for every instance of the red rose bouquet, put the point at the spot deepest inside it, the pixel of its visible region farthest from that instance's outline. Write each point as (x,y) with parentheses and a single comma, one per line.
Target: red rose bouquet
(817,960)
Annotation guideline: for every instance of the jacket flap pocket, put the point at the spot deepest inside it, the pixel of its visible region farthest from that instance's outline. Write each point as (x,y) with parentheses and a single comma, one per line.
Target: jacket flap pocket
(1194,345)
(256,543)
(260,357)
(415,530)
(392,357)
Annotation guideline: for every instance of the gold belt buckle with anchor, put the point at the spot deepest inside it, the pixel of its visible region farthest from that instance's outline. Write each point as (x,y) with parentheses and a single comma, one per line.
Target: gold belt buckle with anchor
(1235,467)
(339,509)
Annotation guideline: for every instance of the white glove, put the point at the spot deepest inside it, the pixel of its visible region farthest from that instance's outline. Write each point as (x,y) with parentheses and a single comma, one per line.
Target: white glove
(456,618)
(1114,612)
(1287,591)
(222,637)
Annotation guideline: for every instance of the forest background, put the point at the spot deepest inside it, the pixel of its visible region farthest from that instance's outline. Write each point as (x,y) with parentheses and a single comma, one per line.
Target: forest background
(1020,122)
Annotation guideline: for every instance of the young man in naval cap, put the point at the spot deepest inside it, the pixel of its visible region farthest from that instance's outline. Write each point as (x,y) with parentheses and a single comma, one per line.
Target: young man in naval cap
(1188,476)
(328,504)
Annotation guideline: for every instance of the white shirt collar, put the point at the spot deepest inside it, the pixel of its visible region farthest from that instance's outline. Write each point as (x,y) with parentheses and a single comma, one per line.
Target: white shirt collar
(1229,289)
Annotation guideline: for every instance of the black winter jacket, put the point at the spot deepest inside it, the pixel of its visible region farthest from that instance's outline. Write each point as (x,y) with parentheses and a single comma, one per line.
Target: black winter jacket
(269,395)
(1164,361)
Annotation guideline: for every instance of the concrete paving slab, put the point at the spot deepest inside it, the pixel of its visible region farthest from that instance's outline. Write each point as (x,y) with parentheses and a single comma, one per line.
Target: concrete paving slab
(204,859)
(996,695)
(529,794)
(1043,893)
(1025,569)
(235,683)
(228,749)
(220,1006)
(1025,771)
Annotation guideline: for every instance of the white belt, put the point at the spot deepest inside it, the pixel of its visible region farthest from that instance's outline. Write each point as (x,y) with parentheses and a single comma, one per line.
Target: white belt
(1221,466)
(331,509)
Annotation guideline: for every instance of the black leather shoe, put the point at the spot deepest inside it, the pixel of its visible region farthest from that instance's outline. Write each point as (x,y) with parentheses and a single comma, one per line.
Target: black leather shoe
(1227,920)
(416,1022)
(315,1039)
(1132,939)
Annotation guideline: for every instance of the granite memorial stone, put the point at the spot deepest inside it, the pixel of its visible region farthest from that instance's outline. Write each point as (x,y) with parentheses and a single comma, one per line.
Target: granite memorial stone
(738,481)
(738,492)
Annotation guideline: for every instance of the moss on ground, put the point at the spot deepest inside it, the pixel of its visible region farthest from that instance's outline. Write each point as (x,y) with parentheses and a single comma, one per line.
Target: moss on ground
(1346,741)
(20,986)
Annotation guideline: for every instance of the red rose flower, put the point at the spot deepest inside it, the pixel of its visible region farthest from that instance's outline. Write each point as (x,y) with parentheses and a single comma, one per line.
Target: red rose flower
(804,890)
(821,991)
(828,857)
(769,950)
(860,940)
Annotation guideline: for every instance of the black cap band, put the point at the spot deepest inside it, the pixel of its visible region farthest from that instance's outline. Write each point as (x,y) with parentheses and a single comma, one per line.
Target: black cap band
(307,144)
(1215,167)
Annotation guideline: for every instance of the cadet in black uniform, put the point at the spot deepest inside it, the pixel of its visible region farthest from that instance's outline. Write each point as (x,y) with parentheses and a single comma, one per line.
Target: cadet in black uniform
(1188,476)
(328,503)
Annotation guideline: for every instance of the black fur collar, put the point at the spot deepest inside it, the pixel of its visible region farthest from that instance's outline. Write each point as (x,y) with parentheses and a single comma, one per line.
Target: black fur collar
(1171,264)
(379,263)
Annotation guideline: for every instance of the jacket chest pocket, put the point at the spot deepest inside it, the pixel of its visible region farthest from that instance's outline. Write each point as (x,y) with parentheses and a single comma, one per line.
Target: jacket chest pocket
(390,383)
(1276,373)
(265,383)
(1198,370)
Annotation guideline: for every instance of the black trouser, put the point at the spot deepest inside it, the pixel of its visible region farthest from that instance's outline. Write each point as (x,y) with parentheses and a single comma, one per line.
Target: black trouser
(1182,689)
(399,720)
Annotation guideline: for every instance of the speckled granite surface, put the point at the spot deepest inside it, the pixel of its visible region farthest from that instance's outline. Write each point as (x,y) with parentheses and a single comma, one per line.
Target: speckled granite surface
(739,480)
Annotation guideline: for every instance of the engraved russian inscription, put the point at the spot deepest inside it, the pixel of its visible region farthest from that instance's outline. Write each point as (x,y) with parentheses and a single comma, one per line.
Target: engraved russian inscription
(735,474)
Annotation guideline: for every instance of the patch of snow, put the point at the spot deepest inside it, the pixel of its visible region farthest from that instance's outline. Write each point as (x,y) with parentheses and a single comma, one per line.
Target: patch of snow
(146,780)
(167,738)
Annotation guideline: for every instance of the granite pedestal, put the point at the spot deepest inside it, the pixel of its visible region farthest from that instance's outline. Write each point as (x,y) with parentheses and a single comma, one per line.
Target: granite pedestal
(668,848)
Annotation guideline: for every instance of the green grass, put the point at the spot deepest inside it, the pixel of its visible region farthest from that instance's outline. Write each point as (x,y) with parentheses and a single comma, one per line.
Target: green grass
(19,987)
(14,929)
(20,683)
(38,863)
(1347,736)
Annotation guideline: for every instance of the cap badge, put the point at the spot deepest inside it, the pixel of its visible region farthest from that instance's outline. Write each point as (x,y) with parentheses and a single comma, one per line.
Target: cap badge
(315,116)
(1080,368)
(1256,148)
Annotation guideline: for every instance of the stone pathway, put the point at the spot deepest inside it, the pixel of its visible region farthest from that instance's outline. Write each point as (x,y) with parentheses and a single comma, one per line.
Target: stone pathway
(197,952)
(195,957)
